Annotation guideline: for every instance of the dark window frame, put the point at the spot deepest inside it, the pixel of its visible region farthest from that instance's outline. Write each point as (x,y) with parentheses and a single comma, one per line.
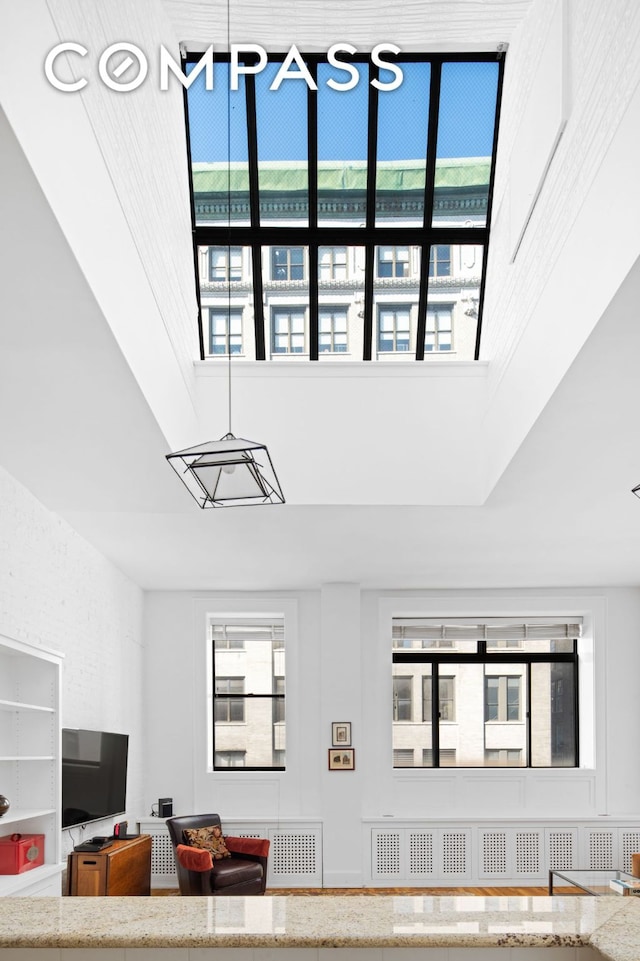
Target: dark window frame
(369,234)
(223,313)
(331,311)
(290,310)
(398,309)
(503,656)
(277,696)
(226,265)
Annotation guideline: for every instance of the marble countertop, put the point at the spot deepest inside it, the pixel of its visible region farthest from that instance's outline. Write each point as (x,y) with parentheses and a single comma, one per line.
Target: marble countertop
(611,925)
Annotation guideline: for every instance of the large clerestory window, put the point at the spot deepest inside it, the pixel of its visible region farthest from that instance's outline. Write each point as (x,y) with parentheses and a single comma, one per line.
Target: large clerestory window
(360,183)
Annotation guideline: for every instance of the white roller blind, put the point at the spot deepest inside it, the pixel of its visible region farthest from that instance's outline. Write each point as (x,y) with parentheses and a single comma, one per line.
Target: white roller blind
(486,629)
(248,632)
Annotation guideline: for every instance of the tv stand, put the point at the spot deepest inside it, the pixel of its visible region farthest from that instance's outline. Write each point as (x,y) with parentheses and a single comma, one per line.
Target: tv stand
(124,868)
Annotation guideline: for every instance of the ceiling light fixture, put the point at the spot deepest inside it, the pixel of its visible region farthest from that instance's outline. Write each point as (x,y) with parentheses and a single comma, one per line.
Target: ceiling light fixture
(227,472)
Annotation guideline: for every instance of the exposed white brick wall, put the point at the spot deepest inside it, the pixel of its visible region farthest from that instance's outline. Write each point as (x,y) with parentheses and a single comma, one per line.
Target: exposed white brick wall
(603,74)
(57,591)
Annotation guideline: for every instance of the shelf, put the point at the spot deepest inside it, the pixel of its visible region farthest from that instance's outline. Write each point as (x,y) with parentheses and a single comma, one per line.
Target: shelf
(30,691)
(24,814)
(21,706)
(27,757)
(11,884)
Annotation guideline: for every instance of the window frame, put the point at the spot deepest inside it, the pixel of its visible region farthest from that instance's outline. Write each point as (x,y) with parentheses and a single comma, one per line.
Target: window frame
(224,314)
(369,234)
(397,309)
(219,655)
(330,311)
(290,310)
(229,251)
(502,657)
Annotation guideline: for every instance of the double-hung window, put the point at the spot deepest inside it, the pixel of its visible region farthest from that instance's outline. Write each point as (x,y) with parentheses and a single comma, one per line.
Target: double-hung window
(248,693)
(495,692)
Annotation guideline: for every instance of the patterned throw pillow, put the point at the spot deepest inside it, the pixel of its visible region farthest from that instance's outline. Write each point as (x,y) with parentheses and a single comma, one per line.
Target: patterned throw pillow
(209,839)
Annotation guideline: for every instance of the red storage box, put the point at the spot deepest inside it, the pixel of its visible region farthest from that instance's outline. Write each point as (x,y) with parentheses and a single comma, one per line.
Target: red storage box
(21,852)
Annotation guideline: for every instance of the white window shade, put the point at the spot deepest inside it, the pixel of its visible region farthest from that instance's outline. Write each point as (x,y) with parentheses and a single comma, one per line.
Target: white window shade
(247,632)
(485,629)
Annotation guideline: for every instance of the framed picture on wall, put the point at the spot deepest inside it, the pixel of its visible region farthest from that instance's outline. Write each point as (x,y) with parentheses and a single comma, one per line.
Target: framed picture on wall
(341,734)
(342,759)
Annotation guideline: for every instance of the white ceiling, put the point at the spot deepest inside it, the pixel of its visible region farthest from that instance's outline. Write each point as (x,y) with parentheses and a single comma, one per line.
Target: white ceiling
(77,429)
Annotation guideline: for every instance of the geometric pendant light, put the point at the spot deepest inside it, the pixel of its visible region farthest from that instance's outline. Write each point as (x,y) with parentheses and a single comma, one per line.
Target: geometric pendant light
(228,473)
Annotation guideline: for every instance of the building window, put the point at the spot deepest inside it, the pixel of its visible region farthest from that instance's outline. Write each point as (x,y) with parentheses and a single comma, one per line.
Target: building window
(225,264)
(503,757)
(229,709)
(230,758)
(446,700)
(507,692)
(440,260)
(439,331)
(403,757)
(332,333)
(447,757)
(287,263)
(248,687)
(502,698)
(393,262)
(332,263)
(394,324)
(402,698)
(225,331)
(287,330)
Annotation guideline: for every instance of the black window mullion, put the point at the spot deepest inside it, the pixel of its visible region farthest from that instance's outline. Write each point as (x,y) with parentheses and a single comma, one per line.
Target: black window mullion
(313,303)
(576,716)
(370,220)
(258,301)
(369,267)
(254,215)
(432,143)
(528,716)
(435,714)
(372,149)
(312,187)
(421,326)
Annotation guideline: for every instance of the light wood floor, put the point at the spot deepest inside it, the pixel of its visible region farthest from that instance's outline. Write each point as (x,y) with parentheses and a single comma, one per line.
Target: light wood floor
(421,892)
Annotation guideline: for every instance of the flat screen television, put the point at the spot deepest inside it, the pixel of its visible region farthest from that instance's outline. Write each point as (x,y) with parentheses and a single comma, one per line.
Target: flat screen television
(94,775)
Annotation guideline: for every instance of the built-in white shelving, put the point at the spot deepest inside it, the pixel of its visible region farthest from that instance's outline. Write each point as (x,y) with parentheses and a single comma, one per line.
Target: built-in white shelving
(30,684)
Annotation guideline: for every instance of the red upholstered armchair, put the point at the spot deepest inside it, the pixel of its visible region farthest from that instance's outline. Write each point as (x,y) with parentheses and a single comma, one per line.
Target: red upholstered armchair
(241,870)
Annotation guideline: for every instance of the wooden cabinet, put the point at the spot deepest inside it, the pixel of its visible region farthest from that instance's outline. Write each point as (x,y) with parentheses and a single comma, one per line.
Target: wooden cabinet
(124,868)
(30,758)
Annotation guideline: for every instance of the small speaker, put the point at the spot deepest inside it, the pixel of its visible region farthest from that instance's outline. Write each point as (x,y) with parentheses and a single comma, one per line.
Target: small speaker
(165,807)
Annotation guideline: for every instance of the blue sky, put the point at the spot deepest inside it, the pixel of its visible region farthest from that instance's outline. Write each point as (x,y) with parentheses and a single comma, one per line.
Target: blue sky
(467,113)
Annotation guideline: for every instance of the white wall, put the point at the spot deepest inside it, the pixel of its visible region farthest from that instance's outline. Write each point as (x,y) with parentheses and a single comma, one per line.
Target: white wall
(57,591)
(339,669)
(541,306)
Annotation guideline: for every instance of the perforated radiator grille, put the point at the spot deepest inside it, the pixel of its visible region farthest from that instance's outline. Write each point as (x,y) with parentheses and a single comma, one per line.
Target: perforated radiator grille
(162,860)
(494,852)
(293,854)
(420,853)
(527,852)
(560,850)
